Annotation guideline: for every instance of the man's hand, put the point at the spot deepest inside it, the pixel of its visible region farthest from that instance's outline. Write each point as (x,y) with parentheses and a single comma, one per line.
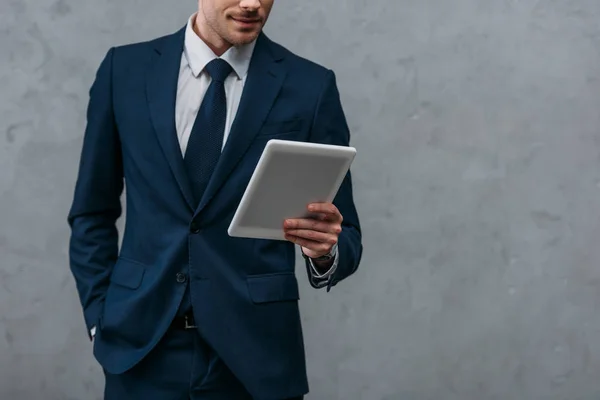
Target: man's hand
(316,235)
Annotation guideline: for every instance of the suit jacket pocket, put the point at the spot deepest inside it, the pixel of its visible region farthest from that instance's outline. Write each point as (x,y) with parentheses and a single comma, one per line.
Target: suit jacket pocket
(128,273)
(273,287)
(123,304)
(275,129)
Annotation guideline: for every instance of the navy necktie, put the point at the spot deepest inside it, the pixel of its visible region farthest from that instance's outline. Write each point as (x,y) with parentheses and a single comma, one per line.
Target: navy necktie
(206,139)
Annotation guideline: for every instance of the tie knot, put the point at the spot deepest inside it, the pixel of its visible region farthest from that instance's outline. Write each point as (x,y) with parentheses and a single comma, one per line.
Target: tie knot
(218,69)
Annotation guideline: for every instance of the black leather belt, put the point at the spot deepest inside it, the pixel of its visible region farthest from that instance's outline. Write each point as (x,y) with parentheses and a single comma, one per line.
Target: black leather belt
(184,322)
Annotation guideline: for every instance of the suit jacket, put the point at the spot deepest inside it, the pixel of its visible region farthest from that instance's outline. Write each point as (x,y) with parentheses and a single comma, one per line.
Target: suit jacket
(244,291)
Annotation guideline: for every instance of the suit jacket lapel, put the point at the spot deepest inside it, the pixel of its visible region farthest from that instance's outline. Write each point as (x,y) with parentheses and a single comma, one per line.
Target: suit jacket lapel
(161,91)
(265,77)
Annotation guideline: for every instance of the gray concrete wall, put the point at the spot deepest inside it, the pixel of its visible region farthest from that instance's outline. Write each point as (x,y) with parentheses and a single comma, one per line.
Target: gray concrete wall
(477,180)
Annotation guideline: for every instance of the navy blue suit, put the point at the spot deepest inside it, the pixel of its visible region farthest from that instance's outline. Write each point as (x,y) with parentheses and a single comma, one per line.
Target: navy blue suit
(244,292)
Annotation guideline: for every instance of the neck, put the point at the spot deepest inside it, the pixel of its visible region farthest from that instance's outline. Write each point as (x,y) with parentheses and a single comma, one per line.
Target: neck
(210,37)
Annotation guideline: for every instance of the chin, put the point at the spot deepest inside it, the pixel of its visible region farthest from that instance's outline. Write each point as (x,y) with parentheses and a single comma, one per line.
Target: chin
(240,39)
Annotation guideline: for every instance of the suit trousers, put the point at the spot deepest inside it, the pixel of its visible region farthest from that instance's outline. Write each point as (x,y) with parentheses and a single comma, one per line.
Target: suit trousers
(181,367)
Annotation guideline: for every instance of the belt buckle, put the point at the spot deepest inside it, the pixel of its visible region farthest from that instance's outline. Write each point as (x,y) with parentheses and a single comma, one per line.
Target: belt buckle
(187,323)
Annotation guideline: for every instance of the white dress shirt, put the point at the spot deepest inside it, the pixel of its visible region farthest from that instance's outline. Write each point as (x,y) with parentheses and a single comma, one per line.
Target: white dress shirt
(193,83)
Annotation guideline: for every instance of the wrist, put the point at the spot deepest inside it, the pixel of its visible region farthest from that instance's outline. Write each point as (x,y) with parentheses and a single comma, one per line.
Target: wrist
(323,259)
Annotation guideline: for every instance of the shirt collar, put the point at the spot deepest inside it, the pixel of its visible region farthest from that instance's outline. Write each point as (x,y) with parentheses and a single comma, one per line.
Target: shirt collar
(198,54)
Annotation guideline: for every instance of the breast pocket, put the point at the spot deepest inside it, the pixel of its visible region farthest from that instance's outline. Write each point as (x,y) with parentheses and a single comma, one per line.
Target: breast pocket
(280,129)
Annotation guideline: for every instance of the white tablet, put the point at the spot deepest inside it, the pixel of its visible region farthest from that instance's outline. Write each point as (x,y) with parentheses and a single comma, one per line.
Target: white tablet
(289,176)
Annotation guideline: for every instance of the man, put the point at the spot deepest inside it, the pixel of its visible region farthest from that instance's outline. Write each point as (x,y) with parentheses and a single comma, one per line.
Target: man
(183,310)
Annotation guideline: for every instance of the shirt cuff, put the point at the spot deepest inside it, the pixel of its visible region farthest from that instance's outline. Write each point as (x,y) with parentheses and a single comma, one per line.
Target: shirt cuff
(315,272)
(93,332)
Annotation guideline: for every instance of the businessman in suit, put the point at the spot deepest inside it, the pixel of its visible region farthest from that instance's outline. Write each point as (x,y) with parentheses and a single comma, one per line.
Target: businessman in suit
(182,310)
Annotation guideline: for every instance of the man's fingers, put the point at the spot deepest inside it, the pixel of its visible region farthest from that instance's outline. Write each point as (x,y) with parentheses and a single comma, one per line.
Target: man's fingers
(315,246)
(326,208)
(317,233)
(313,236)
(309,223)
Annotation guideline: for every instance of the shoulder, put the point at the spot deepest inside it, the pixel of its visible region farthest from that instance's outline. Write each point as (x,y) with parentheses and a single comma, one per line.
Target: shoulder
(300,66)
(136,52)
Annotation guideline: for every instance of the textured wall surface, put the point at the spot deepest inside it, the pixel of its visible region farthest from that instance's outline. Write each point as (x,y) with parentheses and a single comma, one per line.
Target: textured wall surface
(477,180)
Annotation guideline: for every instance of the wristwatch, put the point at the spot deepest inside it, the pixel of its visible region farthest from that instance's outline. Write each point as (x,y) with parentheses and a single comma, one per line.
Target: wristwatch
(322,258)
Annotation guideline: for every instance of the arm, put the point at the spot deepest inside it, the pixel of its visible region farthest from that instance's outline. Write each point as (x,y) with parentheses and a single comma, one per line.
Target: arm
(330,127)
(93,246)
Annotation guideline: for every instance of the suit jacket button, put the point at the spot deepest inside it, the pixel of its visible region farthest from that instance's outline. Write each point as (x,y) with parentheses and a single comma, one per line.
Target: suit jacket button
(181,278)
(194,228)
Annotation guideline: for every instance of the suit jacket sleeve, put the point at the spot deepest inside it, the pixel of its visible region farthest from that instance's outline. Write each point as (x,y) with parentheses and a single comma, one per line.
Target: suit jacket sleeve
(330,127)
(93,247)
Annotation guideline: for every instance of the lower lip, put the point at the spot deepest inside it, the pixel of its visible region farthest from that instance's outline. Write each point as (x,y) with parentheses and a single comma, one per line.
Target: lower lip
(246,24)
